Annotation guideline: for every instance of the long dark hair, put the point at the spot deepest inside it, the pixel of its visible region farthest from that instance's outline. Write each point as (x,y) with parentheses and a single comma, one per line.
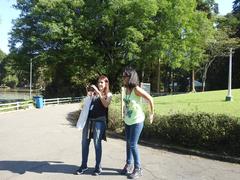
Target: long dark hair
(133,77)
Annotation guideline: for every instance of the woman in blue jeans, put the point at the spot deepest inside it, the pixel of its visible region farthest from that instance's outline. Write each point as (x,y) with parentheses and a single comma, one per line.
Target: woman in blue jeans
(96,124)
(134,121)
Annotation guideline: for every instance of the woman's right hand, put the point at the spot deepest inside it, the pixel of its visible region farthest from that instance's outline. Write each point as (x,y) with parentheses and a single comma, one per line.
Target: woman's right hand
(96,89)
(151,118)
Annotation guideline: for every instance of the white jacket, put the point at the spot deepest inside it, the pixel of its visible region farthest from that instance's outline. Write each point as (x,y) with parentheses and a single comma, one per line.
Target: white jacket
(84,113)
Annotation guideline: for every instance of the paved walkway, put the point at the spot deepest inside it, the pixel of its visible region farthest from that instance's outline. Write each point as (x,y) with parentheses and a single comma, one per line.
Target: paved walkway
(40,144)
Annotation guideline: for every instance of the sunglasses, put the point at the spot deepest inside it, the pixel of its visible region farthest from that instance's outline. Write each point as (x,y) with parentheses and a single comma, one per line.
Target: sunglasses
(125,74)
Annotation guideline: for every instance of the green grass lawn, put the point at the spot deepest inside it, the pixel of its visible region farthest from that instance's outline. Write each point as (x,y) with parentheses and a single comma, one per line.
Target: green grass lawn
(211,102)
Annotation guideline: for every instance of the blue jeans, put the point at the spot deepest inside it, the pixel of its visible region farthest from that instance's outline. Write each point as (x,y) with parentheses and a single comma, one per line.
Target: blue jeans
(98,130)
(132,133)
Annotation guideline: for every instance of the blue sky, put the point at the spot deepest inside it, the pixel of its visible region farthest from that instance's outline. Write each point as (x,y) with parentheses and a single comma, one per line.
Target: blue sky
(8,13)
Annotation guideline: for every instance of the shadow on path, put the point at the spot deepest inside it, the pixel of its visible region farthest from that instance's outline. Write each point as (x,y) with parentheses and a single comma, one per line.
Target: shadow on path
(22,167)
(106,171)
(72,117)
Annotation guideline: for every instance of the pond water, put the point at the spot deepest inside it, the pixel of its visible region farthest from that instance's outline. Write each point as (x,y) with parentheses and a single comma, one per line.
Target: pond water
(15,95)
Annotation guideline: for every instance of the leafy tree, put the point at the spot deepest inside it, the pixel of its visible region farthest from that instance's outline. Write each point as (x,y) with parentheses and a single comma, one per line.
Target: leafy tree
(2,56)
(236,13)
(236,6)
(84,38)
(179,35)
(44,30)
(208,6)
(197,45)
(10,81)
(72,42)
(221,43)
(9,75)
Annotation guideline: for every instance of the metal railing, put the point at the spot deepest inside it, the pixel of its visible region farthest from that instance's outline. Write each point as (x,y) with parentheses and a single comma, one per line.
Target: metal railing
(16,106)
(62,100)
(28,104)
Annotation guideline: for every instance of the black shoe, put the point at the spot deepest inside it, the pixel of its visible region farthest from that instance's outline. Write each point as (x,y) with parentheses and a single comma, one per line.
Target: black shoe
(97,172)
(81,170)
(128,169)
(137,173)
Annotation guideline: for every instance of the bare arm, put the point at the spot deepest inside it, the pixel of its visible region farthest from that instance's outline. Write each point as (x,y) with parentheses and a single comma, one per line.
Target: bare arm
(106,100)
(122,104)
(141,92)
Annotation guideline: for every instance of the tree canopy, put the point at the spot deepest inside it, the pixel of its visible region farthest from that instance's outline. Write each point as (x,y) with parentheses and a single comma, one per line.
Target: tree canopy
(72,42)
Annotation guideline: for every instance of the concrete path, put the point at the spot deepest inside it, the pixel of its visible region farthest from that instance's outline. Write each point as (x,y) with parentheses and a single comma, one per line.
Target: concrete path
(40,144)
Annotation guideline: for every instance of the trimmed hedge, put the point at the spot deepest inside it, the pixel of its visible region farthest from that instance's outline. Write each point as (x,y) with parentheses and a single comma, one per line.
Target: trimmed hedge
(219,133)
(214,132)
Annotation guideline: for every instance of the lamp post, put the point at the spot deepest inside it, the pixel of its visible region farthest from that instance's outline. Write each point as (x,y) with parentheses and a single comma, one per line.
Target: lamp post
(30,81)
(30,78)
(229,95)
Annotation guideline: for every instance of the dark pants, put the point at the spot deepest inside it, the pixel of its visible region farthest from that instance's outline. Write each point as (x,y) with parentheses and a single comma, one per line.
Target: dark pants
(98,131)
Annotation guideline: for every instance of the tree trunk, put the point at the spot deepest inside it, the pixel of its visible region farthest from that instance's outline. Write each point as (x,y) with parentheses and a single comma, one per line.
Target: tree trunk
(171,80)
(193,80)
(204,77)
(158,77)
(142,75)
(203,85)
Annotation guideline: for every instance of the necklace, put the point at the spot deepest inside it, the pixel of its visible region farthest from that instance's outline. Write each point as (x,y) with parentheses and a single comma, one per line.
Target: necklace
(128,111)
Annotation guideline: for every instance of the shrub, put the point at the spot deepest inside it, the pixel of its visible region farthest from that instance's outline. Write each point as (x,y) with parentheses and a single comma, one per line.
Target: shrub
(11,81)
(214,132)
(219,133)
(114,115)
